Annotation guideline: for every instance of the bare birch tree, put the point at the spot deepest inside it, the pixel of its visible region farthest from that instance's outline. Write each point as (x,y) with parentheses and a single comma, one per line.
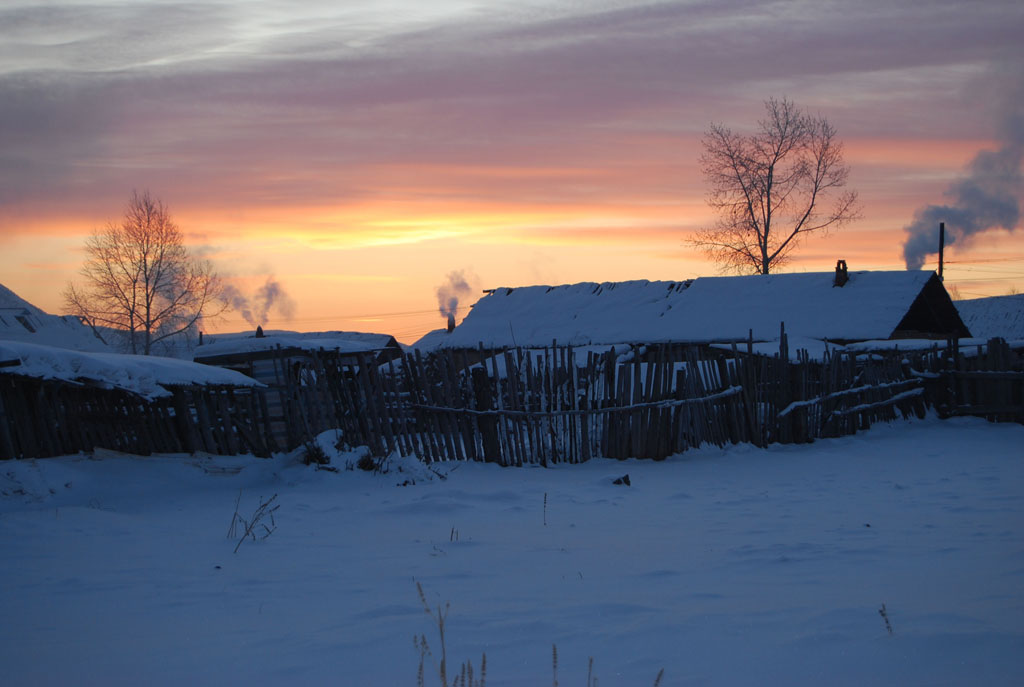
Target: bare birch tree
(772,188)
(140,279)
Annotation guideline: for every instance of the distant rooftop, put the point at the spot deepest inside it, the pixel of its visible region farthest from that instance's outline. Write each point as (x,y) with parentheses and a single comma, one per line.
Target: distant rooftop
(248,342)
(1001,316)
(22,321)
(871,305)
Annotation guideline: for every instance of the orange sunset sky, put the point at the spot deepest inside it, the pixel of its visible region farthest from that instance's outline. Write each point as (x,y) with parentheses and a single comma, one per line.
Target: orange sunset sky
(360,152)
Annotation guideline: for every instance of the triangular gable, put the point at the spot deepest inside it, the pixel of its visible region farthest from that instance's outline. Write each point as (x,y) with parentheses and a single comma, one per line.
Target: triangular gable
(931,313)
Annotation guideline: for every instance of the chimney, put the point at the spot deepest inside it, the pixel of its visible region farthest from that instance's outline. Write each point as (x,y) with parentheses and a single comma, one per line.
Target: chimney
(451,322)
(259,332)
(841,274)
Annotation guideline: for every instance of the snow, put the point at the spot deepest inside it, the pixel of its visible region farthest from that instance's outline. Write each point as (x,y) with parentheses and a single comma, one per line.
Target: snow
(22,321)
(430,341)
(344,342)
(147,376)
(870,306)
(1001,316)
(722,566)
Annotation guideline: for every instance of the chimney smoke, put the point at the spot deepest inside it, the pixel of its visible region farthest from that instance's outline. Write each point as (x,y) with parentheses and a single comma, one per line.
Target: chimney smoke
(450,293)
(988,197)
(255,310)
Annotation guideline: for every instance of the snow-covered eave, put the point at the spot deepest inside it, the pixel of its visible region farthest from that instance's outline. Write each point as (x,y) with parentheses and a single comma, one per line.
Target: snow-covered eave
(145,376)
(725,342)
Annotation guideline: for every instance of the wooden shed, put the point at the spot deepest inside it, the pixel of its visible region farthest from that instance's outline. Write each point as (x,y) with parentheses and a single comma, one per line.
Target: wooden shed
(293,366)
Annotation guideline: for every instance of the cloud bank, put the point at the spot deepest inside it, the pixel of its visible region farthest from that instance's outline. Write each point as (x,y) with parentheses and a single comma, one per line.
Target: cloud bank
(264,104)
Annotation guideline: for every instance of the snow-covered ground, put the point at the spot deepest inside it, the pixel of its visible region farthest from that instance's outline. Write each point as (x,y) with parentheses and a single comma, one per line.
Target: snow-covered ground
(735,566)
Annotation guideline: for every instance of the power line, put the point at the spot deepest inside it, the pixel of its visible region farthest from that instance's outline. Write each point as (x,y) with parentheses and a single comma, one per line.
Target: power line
(987,271)
(326,318)
(968,262)
(985,279)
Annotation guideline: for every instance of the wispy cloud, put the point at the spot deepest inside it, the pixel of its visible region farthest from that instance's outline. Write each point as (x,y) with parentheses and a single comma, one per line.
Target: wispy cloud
(258,103)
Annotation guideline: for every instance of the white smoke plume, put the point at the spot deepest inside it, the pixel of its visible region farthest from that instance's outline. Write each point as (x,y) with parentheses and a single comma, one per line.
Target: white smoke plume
(987,198)
(456,288)
(257,308)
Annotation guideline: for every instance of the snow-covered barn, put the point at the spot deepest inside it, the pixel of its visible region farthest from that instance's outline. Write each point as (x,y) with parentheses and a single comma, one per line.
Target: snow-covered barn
(838,307)
(1001,316)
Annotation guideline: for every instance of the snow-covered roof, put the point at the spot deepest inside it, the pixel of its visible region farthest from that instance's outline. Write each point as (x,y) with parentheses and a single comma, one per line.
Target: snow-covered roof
(430,341)
(22,321)
(1001,316)
(147,376)
(870,305)
(343,342)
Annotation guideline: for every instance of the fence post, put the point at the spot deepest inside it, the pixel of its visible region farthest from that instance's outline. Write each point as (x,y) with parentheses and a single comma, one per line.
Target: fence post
(488,424)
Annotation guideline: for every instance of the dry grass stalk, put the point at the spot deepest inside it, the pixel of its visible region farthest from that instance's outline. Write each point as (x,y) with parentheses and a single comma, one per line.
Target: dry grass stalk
(253,527)
(466,676)
(885,616)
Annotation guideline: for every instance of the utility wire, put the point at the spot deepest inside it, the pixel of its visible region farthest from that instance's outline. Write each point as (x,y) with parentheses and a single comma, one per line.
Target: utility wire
(968,262)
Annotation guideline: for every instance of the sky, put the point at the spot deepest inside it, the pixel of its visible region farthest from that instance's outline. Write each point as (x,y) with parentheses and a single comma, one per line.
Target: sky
(356,157)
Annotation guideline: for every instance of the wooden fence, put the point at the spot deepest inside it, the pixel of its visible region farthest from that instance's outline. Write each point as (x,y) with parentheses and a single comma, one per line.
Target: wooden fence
(518,406)
(986,381)
(40,418)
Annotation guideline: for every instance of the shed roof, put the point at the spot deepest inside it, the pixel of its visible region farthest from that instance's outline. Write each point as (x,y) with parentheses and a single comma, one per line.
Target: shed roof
(146,375)
(871,305)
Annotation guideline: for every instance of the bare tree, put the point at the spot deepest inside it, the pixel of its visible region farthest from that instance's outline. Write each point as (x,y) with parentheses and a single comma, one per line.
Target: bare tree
(140,279)
(772,187)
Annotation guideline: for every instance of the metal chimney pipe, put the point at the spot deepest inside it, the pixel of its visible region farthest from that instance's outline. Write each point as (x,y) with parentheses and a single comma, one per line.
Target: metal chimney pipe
(942,246)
